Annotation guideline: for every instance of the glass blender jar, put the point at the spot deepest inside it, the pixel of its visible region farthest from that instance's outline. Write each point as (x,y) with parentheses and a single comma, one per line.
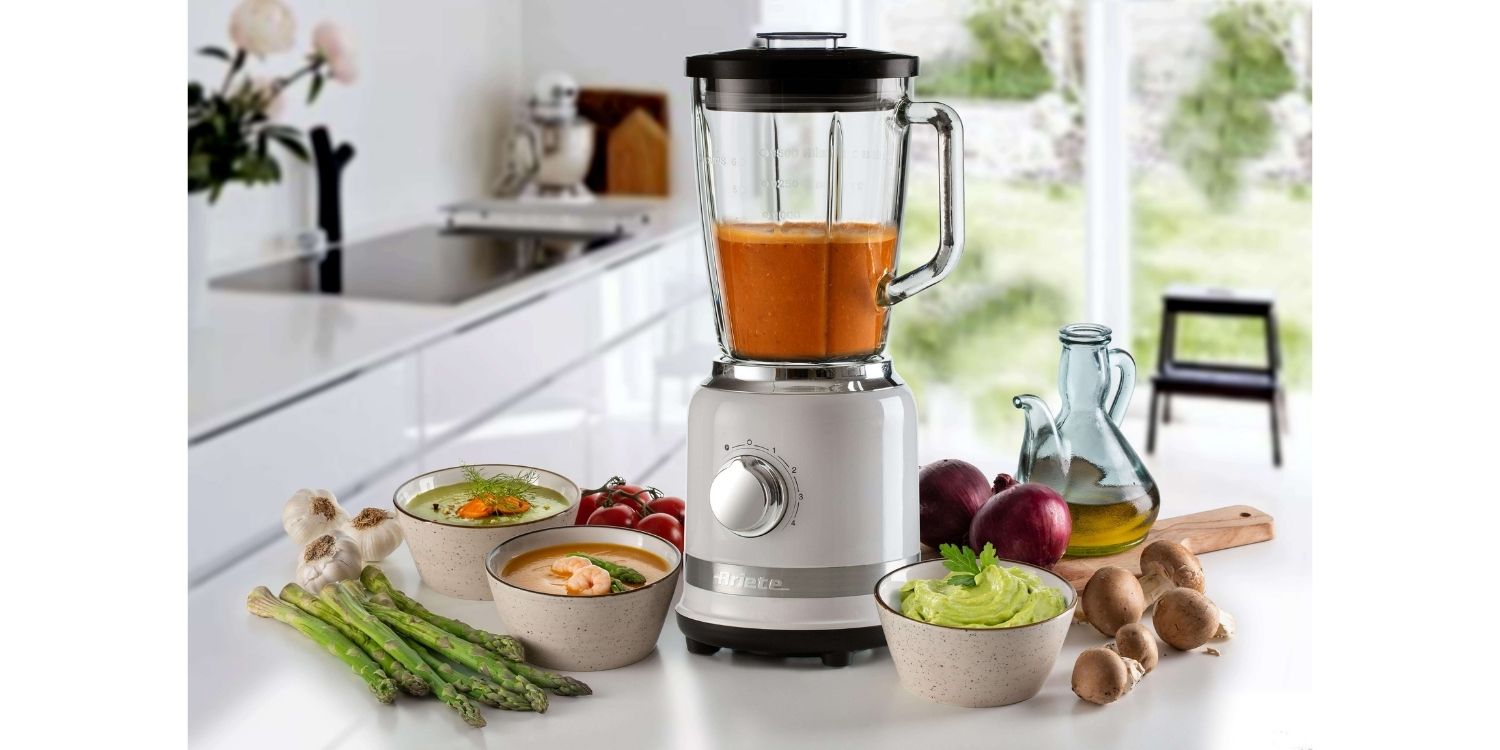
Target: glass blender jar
(802,445)
(802,152)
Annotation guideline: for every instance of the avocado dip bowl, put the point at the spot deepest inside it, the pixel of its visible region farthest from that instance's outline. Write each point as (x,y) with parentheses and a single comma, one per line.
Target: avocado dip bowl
(1003,657)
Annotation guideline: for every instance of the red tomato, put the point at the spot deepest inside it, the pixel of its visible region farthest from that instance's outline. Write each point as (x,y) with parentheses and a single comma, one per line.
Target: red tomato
(587,506)
(614,515)
(633,495)
(663,525)
(672,506)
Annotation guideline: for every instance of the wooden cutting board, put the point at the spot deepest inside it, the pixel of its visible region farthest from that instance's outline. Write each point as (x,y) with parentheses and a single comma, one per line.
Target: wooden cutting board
(1220,528)
(638,159)
(607,109)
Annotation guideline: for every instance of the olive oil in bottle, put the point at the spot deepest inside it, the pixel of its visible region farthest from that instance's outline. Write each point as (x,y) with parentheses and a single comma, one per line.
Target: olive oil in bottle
(1106,518)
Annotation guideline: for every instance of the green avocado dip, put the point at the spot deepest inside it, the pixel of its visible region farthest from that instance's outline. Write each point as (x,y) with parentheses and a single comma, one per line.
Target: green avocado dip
(999,598)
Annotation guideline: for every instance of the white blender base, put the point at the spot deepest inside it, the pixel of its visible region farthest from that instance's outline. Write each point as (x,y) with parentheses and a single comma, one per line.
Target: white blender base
(795,576)
(728,610)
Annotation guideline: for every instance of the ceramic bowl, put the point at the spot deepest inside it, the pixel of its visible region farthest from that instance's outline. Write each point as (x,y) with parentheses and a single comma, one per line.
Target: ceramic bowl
(450,557)
(972,667)
(584,633)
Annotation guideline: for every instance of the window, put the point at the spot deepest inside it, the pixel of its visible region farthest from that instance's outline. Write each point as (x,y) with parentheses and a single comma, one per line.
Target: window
(1186,160)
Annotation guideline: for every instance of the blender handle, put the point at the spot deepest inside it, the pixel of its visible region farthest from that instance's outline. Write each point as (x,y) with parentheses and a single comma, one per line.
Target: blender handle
(950,133)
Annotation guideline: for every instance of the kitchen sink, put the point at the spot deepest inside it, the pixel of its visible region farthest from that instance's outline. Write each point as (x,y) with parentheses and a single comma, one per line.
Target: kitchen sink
(429,265)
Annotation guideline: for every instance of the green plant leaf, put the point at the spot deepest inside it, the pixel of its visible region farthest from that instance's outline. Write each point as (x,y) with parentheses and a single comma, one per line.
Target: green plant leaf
(965,580)
(988,556)
(215,52)
(291,144)
(236,64)
(958,559)
(315,87)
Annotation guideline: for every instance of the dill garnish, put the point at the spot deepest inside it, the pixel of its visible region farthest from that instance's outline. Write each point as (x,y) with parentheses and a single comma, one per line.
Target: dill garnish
(521,485)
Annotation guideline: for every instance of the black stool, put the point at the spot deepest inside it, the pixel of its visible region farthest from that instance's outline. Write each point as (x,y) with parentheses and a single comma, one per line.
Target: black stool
(1174,376)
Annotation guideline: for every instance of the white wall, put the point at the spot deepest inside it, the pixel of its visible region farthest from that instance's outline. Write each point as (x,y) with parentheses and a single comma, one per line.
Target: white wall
(438,81)
(639,44)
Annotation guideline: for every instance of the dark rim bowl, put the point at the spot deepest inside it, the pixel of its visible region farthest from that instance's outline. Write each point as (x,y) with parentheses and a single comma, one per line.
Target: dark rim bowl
(1048,577)
(492,568)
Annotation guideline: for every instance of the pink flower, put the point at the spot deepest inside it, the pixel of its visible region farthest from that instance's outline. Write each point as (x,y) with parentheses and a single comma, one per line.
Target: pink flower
(269,93)
(262,27)
(330,44)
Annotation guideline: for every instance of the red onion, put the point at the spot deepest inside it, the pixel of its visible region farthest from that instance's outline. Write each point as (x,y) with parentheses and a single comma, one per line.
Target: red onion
(949,492)
(1027,522)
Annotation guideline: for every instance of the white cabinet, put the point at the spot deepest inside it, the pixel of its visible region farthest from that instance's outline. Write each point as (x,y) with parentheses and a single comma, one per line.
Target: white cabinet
(641,388)
(589,380)
(648,285)
(333,439)
(546,428)
(484,364)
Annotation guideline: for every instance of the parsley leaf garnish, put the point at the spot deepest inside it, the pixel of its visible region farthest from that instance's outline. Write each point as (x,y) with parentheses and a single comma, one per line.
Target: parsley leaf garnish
(963,561)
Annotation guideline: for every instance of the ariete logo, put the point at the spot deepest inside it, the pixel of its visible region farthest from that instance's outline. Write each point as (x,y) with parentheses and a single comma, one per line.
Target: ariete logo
(731,580)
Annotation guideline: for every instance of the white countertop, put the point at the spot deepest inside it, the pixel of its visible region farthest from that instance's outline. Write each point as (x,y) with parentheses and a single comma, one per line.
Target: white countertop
(256,683)
(260,349)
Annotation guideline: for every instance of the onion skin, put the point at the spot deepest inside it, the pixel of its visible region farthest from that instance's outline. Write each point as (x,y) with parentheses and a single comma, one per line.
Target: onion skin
(950,491)
(1026,522)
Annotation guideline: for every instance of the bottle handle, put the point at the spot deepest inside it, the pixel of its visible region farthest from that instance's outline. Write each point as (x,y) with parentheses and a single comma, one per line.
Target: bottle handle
(1120,360)
(950,133)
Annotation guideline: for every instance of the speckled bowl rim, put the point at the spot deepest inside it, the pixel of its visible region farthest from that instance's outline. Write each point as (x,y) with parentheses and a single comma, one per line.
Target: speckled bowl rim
(1068,593)
(489,563)
(572,504)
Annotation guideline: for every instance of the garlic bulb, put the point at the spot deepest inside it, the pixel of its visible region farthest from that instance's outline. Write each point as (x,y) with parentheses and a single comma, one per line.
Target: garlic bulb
(377,533)
(311,514)
(329,558)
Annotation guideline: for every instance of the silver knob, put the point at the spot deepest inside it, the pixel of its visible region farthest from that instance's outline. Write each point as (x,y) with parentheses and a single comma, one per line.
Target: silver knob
(747,496)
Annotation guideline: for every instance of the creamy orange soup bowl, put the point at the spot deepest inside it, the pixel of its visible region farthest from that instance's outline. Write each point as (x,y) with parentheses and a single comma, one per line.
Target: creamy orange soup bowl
(584,617)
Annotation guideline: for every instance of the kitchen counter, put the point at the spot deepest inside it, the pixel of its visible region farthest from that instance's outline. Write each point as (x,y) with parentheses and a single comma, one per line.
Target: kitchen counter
(260,350)
(256,683)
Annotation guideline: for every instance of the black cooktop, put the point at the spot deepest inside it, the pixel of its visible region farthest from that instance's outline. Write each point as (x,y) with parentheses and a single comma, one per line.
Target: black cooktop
(428,265)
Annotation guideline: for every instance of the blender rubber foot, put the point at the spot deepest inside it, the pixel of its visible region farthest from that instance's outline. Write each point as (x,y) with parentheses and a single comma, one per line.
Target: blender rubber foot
(835,659)
(704,649)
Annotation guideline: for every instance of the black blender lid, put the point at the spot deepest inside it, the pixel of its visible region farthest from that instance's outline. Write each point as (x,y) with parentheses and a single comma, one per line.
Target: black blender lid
(802,55)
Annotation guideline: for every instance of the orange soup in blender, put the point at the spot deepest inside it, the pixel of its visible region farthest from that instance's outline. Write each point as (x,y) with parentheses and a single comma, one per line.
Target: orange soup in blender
(803,291)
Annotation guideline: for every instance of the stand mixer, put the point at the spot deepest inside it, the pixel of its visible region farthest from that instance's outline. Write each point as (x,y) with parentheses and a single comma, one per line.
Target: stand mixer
(802,447)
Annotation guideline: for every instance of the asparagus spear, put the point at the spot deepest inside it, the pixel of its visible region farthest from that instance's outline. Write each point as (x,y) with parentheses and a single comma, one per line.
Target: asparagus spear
(475,657)
(342,598)
(626,574)
(300,598)
(478,688)
(262,603)
(478,658)
(505,645)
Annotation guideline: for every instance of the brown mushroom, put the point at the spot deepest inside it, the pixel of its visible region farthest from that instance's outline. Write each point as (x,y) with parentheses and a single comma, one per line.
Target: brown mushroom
(1135,641)
(1167,565)
(1112,599)
(1186,619)
(1102,676)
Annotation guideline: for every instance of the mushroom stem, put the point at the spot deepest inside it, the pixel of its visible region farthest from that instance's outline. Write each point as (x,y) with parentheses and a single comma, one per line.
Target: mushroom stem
(1154,585)
(1225,630)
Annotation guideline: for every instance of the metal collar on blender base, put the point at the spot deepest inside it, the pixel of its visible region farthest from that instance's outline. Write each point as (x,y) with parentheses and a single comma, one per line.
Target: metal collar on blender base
(853,377)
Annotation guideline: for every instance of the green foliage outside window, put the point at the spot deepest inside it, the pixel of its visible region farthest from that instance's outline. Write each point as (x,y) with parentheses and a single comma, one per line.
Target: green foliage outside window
(1011,64)
(1225,121)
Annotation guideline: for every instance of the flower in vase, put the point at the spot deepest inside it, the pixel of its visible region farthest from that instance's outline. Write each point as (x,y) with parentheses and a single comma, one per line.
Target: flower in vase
(262,27)
(333,47)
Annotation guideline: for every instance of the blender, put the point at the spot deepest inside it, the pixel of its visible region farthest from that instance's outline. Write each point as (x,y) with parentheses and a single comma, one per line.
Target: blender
(802,447)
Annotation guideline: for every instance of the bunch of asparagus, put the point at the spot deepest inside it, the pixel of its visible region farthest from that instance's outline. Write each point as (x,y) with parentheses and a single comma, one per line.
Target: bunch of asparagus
(391,641)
